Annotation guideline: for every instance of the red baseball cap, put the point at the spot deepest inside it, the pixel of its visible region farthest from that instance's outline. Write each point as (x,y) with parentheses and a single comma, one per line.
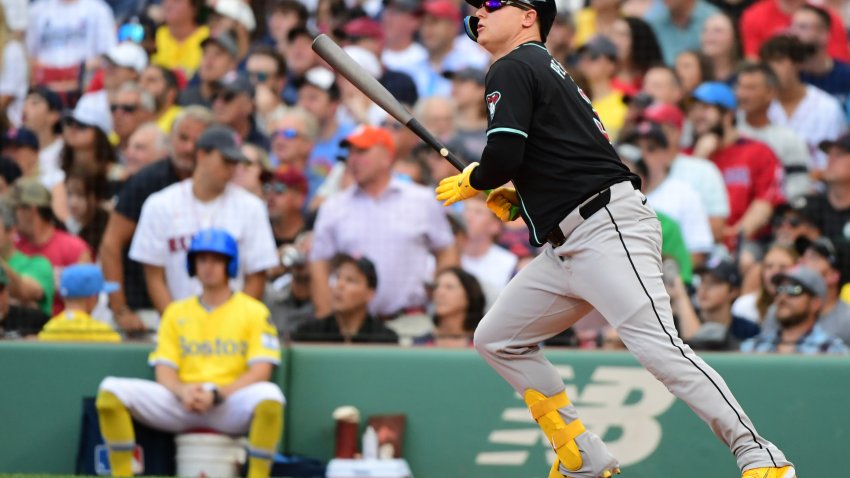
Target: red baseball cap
(442,9)
(365,137)
(291,177)
(364,27)
(663,113)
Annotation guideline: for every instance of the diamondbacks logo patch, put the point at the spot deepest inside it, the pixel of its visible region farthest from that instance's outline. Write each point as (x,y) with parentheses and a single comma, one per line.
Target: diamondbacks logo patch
(492,99)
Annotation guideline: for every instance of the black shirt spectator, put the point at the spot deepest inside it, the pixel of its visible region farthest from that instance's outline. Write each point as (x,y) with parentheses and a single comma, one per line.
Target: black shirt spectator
(327,330)
(136,190)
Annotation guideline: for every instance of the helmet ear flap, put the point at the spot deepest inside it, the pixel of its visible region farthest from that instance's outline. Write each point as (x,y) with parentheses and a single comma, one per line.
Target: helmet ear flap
(470,26)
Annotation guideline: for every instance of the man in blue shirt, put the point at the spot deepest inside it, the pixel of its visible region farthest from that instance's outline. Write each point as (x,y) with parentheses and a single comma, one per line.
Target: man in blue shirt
(811,24)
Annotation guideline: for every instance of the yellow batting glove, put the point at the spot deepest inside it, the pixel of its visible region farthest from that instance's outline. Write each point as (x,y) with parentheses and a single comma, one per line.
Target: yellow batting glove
(503,202)
(456,188)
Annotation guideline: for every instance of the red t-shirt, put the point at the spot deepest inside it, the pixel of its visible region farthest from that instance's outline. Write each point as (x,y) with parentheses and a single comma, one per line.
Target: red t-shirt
(750,171)
(764,19)
(62,250)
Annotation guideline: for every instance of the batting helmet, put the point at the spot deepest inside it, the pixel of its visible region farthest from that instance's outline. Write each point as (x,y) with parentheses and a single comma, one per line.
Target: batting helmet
(217,241)
(546,11)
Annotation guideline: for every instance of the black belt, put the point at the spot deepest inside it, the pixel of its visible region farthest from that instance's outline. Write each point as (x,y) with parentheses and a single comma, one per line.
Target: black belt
(556,236)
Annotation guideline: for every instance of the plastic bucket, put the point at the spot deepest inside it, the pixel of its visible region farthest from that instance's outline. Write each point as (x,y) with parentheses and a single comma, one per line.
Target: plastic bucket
(209,455)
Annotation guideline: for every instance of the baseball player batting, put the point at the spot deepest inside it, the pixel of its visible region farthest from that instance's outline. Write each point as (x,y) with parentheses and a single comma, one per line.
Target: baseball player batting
(213,362)
(605,248)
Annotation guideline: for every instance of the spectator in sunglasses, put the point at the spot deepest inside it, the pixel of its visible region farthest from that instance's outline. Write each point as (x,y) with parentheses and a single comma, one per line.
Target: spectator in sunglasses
(131,107)
(293,136)
(829,260)
(163,85)
(266,69)
(800,297)
(790,223)
(233,106)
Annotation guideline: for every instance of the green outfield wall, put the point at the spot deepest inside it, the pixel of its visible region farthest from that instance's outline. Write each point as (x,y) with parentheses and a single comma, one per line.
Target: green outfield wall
(462,420)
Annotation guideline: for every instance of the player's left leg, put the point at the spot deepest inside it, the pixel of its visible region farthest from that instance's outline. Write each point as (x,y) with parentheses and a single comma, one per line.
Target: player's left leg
(619,272)
(257,409)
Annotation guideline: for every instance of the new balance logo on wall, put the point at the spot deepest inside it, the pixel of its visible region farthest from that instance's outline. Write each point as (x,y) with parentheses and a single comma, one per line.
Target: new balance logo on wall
(624,401)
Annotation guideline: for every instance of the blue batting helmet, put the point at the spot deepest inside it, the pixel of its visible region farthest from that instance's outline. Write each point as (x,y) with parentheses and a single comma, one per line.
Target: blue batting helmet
(217,241)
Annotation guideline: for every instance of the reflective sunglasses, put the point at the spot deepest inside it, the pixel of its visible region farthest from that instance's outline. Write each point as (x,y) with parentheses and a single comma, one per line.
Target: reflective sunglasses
(493,5)
(258,76)
(133,32)
(288,133)
(791,290)
(126,108)
(275,187)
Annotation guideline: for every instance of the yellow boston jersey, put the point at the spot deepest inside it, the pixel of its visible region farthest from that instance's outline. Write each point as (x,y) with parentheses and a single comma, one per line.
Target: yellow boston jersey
(77,326)
(180,55)
(216,346)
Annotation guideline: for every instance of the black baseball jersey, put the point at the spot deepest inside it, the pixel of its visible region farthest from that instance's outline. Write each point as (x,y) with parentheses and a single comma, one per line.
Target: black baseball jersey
(568,156)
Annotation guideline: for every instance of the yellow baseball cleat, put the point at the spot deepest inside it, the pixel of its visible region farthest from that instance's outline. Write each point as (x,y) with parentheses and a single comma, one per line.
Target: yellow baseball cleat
(771,472)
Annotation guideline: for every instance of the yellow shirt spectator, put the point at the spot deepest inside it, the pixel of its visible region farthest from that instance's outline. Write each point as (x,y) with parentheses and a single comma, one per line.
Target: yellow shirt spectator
(845,293)
(612,112)
(166,121)
(77,326)
(180,55)
(216,346)
(80,285)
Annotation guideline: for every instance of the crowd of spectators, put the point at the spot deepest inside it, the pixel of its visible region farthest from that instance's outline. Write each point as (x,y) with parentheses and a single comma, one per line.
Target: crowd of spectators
(128,126)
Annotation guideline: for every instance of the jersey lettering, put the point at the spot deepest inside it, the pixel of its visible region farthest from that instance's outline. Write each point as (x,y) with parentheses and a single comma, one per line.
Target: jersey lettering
(557,68)
(219,347)
(492,99)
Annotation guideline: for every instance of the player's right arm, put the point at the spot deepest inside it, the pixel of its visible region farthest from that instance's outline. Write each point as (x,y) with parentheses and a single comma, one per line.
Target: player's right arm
(510,97)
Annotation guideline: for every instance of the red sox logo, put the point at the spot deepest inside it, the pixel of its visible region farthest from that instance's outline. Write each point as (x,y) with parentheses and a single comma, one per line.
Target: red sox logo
(492,99)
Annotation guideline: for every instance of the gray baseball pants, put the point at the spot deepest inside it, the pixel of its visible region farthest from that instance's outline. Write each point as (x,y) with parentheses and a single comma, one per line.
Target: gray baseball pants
(611,261)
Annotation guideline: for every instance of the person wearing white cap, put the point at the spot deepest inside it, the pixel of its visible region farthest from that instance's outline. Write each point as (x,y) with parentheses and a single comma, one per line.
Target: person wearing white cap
(318,93)
(236,16)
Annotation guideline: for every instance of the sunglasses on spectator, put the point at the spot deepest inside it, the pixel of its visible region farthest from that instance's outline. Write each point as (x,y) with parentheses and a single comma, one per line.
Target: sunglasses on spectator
(74,124)
(493,5)
(275,187)
(227,96)
(288,133)
(791,290)
(126,108)
(258,76)
(133,32)
(793,221)
(393,125)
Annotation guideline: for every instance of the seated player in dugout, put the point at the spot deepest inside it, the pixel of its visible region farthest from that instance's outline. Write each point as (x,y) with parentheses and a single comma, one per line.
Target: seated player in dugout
(215,357)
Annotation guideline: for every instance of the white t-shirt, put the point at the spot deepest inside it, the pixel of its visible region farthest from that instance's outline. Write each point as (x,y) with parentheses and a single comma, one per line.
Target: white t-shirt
(703,176)
(64,33)
(745,307)
(173,215)
(496,266)
(818,117)
(13,79)
(679,201)
(48,164)
(792,152)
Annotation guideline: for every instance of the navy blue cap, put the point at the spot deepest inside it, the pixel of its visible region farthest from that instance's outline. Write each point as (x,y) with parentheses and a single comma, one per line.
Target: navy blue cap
(54,102)
(21,137)
(717,94)
(84,280)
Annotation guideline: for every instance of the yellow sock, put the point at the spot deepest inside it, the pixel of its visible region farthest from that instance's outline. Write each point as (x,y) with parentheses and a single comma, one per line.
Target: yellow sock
(117,429)
(266,427)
